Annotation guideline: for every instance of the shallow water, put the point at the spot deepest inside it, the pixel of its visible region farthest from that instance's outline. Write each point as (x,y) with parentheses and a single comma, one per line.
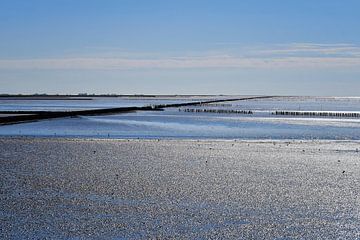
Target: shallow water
(170,189)
(173,123)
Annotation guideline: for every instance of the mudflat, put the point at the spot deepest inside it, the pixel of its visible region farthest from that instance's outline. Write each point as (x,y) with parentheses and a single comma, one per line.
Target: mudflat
(179,189)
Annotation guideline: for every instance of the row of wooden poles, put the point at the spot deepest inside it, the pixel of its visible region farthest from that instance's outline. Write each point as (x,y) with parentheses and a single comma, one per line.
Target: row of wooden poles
(216,110)
(319,114)
(216,105)
(284,113)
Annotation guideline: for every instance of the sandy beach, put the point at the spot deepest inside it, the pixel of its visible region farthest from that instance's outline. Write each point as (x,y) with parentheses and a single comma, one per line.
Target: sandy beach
(179,189)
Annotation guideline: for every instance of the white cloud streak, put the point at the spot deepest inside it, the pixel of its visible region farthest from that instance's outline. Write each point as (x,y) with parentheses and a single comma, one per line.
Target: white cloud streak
(348,50)
(285,56)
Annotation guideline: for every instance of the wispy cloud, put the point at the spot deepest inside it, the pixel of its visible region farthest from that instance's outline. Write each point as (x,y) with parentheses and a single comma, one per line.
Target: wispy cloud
(313,49)
(297,55)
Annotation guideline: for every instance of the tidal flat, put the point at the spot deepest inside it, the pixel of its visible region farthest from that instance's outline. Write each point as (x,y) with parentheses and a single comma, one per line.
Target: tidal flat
(178,189)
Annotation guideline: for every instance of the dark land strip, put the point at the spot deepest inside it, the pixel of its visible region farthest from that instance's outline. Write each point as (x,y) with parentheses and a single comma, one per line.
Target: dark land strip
(28,116)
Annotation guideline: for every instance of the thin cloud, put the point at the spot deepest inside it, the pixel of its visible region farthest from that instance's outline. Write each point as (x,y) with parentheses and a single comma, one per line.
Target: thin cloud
(311,49)
(177,63)
(283,56)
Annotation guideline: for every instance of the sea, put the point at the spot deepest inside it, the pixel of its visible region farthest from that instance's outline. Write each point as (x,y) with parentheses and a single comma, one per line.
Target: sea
(275,118)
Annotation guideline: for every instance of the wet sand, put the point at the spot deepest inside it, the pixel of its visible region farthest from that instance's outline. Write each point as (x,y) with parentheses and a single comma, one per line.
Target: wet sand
(178,189)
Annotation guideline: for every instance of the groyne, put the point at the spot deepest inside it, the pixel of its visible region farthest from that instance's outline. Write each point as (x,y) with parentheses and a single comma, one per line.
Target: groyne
(27,116)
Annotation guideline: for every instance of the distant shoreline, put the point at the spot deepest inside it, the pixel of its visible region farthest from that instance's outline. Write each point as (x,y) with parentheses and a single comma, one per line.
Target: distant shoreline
(61,96)
(137,96)
(44,98)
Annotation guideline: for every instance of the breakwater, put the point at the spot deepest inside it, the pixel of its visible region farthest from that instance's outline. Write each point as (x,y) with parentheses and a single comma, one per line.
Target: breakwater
(27,116)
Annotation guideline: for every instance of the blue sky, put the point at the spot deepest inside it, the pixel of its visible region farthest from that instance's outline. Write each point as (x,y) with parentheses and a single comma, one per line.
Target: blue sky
(283,47)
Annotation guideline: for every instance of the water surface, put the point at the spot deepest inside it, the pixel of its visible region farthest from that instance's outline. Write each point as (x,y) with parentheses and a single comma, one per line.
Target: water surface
(175,123)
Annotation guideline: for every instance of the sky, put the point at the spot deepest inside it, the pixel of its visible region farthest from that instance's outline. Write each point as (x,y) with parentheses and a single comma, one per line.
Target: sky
(267,47)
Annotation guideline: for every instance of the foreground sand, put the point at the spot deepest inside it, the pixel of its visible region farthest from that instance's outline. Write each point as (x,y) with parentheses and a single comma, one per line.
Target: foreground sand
(119,189)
